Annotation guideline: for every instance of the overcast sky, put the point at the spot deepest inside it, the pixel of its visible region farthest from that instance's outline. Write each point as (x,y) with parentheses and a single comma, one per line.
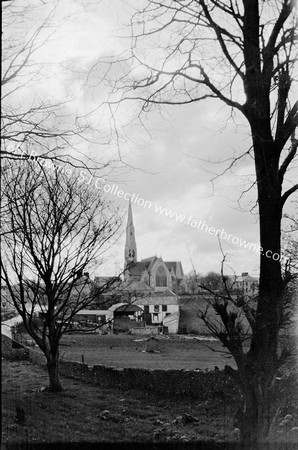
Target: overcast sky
(172,167)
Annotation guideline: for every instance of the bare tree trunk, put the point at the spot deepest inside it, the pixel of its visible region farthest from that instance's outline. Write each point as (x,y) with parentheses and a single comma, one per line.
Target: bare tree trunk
(256,417)
(53,370)
(258,372)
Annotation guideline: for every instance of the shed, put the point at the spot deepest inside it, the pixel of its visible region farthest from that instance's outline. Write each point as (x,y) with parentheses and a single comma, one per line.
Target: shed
(151,344)
(127,310)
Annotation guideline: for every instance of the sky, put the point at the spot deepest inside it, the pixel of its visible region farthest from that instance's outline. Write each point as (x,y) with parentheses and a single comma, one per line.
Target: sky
(176,164)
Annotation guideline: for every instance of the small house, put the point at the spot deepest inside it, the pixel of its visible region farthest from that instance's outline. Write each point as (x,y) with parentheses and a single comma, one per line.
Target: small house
(161,309)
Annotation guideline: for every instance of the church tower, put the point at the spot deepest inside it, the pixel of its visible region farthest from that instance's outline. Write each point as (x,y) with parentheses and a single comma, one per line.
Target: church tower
(130,252)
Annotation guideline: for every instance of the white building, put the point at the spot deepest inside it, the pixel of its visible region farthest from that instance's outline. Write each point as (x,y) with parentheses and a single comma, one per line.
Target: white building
(246,284)
(161,309)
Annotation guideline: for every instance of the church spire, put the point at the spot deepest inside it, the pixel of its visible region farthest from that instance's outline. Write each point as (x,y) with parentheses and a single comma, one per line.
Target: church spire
(130,252)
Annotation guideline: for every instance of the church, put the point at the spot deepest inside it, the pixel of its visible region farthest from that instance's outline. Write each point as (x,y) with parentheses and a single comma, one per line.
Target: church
(153,273)
(148,293)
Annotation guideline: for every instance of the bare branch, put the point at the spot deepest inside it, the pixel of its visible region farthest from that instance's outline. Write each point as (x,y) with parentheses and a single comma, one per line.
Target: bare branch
(55,229)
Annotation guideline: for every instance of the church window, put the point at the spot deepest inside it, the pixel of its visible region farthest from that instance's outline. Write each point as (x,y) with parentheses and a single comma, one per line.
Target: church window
(161,277)
(131,253)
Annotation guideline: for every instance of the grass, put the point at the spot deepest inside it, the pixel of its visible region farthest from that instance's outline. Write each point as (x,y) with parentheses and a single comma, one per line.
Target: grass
(84,413)
(126,351)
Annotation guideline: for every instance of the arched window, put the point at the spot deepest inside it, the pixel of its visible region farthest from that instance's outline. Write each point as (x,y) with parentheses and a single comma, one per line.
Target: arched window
(161,277)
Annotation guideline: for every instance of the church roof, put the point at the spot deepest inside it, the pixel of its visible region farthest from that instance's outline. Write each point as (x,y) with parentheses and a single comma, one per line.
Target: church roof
(137,268)
(147,264)
(174,265)
(148,260)
(140,266)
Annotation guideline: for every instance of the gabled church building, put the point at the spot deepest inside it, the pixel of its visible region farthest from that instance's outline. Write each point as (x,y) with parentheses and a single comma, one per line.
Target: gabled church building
(154,272)
(155,282)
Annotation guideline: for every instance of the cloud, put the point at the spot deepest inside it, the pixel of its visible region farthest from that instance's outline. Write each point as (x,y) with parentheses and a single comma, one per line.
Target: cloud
(176,154)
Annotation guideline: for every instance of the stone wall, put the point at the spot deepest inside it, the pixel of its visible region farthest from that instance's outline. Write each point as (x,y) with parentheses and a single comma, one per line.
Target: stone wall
(199,384)
(147,331)
(36,357)
(202,385)
(11,349)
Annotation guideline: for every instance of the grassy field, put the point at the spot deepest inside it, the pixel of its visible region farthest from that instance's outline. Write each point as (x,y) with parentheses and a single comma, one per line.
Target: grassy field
(84,413)
(91,414)
(126,351)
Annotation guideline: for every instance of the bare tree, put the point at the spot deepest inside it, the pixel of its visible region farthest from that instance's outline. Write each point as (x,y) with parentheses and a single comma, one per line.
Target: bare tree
(290,238)
(241,53)
(233,324)
(55,228)
(35,119)
(213,280)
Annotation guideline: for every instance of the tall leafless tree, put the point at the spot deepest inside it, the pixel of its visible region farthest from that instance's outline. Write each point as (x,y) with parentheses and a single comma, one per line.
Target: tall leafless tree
(241,53)
(54,228)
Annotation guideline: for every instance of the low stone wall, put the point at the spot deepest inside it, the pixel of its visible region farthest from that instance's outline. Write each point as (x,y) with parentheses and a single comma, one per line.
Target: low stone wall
(199,384)
(11,349)
(147,331)
(202,385)
(36,357)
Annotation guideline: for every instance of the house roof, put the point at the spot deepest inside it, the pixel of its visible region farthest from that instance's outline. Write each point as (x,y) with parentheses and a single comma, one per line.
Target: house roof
(138,286)
(128,308)
(125,307)
(166,293)
(247,278)
(116,305)
(93,312)
(157,300)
